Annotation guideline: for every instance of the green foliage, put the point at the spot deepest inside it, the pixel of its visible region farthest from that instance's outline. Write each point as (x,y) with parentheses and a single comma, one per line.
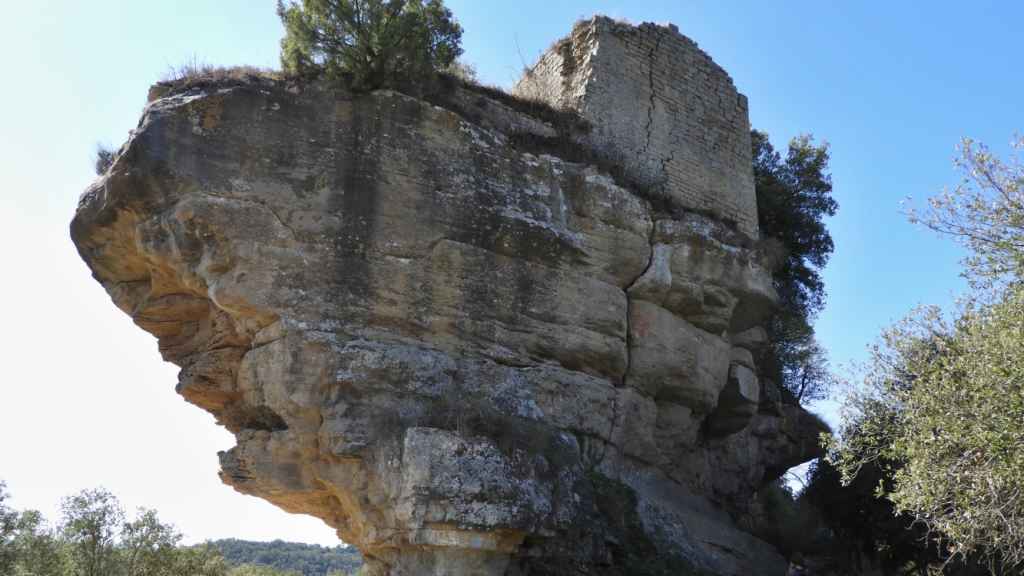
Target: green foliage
(984,212)
(90,525)
(94,538)
(372,43)
(8,530)
(940,410)
(864,530)
(258,570)
(40,551)
(202,560)
(794,195)
(147,545)
(943,406)
(306,559)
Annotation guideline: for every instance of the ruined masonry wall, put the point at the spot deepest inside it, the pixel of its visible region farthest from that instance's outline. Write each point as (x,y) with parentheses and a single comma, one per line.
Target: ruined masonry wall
(661,108)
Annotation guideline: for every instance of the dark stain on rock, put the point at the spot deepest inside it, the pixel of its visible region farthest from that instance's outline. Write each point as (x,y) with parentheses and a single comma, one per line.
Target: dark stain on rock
(355,198)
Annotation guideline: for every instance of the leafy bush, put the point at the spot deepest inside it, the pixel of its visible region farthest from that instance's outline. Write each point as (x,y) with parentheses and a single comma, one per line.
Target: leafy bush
(372,43)
(943,407)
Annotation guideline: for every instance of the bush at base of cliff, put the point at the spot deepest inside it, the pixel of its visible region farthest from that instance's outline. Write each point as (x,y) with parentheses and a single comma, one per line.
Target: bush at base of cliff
(371,43)
(942,413)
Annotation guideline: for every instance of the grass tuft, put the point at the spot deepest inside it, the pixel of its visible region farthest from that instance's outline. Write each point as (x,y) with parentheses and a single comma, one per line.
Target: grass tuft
(199,75)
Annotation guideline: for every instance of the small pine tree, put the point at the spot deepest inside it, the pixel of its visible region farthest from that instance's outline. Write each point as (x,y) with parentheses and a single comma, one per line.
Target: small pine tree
(372,43)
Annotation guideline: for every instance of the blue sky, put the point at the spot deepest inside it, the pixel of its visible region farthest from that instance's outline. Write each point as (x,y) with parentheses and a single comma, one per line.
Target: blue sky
(84,397)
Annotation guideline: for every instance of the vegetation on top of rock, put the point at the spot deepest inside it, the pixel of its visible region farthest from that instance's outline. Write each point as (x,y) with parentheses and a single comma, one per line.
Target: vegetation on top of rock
(104,159)
(940,409)
(794,195)
(372,43)
(199,74)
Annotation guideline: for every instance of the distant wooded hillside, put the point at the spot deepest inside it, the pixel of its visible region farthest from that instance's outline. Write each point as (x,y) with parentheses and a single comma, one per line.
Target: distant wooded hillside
(306,559)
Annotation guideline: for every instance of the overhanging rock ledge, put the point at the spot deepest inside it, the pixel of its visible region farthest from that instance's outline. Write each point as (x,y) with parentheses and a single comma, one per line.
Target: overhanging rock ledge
(465,355)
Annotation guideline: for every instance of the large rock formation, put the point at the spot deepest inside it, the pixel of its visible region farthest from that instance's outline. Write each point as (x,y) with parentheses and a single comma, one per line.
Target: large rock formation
(466,356)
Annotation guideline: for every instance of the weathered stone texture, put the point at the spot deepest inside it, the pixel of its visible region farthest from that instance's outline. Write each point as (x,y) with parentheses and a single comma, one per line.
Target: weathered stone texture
(466,357)
(660,107)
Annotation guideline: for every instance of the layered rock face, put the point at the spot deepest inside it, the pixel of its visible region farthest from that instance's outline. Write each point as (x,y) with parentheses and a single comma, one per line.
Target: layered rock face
(465,356)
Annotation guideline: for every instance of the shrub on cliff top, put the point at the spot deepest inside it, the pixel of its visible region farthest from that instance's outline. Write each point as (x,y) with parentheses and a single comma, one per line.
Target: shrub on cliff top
(105,157)
(372,43)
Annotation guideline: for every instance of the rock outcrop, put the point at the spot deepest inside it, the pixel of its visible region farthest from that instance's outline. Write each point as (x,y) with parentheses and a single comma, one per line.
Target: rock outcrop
(466,356)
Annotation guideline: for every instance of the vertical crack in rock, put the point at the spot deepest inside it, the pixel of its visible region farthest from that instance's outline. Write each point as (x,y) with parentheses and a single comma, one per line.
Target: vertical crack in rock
(651,59)
(629,301)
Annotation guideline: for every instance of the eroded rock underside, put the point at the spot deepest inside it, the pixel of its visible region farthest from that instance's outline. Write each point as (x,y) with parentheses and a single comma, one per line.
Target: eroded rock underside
(465,357)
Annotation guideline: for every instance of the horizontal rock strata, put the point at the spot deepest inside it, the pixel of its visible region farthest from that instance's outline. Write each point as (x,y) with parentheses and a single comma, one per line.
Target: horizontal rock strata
(465,356)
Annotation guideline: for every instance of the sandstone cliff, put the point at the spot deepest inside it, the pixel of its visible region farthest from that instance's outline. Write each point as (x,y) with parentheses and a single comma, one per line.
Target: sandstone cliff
(467,356)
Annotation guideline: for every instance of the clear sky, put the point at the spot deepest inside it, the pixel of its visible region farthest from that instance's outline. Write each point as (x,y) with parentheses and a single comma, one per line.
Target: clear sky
(84,397)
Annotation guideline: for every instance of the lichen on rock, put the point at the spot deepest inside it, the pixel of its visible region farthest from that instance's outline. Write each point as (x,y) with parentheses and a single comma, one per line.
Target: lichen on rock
(465,356)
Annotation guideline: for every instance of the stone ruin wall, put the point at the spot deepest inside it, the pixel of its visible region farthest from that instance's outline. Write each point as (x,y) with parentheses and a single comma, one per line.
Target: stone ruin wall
(661,108)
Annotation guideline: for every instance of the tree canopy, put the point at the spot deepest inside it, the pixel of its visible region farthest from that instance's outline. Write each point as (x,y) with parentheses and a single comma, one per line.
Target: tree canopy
(94,537)
(794,195)
(984,212)
(940,407)
(372,43)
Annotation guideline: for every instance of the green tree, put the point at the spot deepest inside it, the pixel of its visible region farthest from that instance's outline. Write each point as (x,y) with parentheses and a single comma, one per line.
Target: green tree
(941,404)
(148,547)
(942,411)
(90,525)
(93,538)
(794,195)
(41,552)
(257,570)
(204,560)
(984,212)
(373,43)
(8,531)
